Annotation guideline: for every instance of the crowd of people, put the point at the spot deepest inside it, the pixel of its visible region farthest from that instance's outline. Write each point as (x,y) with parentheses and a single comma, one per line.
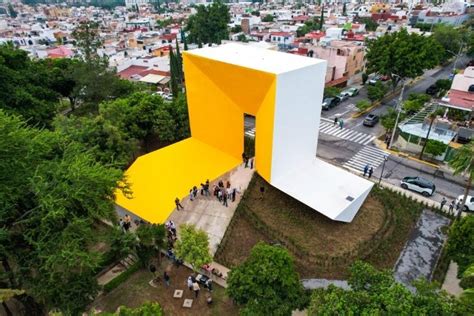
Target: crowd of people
(225,193)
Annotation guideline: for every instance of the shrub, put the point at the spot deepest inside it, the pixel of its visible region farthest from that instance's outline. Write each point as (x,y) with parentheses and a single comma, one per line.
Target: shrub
(121,277)
(363,105)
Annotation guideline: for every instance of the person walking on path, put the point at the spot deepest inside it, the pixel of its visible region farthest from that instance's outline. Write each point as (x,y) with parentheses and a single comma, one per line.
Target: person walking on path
(451,206)
(127,222)
(196,289)
(178,205)
(341,123)
(195,191)
(251,163)
(166,277)
(335,120)
(234,191)
(371,170)
(206,188)
(366,169)
(443,202)
(191,195)
(190,283)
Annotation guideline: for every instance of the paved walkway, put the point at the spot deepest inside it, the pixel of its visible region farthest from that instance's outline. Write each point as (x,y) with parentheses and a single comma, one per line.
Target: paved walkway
(210,215)
(421,253)
(451,281)
(311,284)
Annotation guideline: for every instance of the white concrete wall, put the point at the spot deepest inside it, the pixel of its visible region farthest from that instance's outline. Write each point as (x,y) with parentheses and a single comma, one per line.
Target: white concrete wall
(297,114)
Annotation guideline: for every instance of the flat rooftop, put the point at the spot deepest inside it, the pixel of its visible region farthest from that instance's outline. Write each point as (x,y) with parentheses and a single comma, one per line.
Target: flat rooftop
(255,58)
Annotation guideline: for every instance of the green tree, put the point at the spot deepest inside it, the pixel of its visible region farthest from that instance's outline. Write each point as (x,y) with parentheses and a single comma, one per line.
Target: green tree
(376,92)
(376,292)
(331,92)
(370,25)
(151,240)
(209,24)
(26,87)
(388,120)
(109,144)
(266,282)
(463,163)
(267,18)
(49,201)
(309,25)
(449,38)
(88,40)
(236,29)
(242,38)
(461,243)
(467,280)
(435,147)
(400,55)
(193,246)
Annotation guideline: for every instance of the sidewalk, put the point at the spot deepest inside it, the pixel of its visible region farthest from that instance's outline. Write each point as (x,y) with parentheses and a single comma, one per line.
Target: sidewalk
(451,281)
(210,215)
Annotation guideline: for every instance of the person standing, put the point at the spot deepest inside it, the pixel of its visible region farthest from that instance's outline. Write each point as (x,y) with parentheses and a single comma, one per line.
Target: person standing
(341,123)
(195,191)
(234,191)
(191,195)
(443,202)
(127,222)
(166,277)
(451,206)
(335,120)
(224,197)
(196,289)
(371,170)
(366,169)
(190,283)
(251,163)
(178,204)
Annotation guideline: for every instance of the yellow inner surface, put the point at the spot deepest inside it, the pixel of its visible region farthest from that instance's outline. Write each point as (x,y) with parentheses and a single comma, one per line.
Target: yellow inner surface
(218,95)
(159,177)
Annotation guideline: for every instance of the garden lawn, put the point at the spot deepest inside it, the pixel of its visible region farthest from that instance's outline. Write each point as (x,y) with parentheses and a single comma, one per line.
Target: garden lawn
(136,290)
(322,248)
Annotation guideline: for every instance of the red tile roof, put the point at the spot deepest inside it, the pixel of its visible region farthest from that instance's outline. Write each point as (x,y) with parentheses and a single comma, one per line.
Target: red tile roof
(315,35)
(154,72)
(131,71)
(462,99)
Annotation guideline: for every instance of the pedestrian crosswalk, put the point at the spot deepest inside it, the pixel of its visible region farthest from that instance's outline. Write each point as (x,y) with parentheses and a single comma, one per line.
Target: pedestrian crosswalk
(368,155)
(332,129)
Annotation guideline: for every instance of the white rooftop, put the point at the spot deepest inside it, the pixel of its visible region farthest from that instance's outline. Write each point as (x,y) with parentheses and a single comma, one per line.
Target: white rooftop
(255,58)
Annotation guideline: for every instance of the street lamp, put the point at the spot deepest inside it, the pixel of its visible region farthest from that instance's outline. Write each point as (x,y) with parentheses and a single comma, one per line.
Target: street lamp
(399,109)
(385,158)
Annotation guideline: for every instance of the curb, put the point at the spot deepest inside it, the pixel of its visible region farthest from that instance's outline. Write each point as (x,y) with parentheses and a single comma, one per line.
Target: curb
(403,155)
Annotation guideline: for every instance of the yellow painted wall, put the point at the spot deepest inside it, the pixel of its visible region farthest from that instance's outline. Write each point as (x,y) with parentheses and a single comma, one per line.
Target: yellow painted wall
(218,96)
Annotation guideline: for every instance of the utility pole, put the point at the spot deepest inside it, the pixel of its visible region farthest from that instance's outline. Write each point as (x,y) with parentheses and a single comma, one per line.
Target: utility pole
(385,158)
(399,110)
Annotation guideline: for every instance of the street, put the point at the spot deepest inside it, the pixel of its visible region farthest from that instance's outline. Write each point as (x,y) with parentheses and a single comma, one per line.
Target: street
(352,146)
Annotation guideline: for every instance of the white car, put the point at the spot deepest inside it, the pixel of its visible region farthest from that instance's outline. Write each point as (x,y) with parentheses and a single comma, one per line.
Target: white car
(469,206)
(420,185)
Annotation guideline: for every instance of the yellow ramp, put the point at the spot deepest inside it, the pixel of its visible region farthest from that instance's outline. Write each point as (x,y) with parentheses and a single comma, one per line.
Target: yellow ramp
(157,178)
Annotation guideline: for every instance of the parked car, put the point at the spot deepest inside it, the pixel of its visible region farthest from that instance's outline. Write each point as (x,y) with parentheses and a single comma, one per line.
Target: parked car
(420,185)
(351,92)
(469,206)
(371,120)
(341,97)
(432,90)
(372,81)
(329,103)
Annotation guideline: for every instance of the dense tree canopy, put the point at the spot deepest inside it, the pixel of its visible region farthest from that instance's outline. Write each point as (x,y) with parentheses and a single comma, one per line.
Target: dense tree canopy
(461,242)
(448,37)
(310,25)
(54,190)
(209,24)
(266,283)
(377,293)
(400,55)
